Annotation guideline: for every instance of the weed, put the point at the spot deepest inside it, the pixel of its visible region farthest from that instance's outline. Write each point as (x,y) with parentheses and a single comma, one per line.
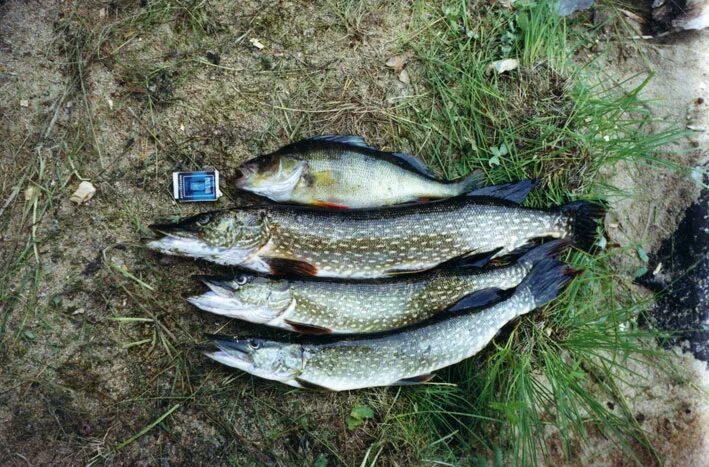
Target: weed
(550,371)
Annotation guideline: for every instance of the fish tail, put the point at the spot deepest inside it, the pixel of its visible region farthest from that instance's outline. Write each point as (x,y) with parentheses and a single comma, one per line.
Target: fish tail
(470,182)
(546,280)
(583,218)
(546,250)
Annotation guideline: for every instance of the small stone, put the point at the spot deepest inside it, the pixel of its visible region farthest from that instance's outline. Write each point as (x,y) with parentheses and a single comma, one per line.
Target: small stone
(256,43)
(396,62)
(84,193)
(24,103)
(31,192)
(502,66)
(404,77)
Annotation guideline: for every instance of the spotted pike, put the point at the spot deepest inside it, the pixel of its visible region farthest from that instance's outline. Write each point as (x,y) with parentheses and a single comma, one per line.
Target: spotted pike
(343,171)
(362,244)
(406,356)
(330,307)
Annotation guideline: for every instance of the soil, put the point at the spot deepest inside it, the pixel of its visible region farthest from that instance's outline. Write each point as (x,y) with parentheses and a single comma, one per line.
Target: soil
(96,344)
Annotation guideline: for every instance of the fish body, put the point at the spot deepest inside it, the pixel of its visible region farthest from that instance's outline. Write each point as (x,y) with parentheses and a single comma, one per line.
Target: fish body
(344,172)
(406,356)
(330,307)
(369,244)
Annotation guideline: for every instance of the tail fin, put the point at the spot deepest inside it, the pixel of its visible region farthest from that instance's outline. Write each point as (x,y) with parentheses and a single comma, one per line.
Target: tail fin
(515,192)
(546,250)
(583,218)
(546,280)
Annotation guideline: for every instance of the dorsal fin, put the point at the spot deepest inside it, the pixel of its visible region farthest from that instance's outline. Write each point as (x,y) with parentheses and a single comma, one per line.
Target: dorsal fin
(514,192)
(352,140)
(412,161)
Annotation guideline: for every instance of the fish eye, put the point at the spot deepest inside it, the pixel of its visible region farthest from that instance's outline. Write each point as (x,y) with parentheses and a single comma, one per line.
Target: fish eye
(254,344)
(242,279)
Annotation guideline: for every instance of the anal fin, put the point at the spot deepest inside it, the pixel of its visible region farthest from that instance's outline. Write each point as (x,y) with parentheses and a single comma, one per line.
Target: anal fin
(480,298)
(307,328)
(471,260)
(420,379)
(290,267)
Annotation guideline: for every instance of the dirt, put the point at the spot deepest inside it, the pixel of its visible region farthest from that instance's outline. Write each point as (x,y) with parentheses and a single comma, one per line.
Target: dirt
(674,415)
(168,87)
(96,344)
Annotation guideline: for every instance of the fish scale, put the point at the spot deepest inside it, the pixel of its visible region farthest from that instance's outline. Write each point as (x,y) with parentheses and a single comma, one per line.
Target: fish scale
(408,355)
(361,307)
(369,244)
(344,171)
(383,361)
(374,244)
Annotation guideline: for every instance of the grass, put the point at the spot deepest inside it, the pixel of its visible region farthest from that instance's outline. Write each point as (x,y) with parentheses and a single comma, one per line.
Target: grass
(561,369)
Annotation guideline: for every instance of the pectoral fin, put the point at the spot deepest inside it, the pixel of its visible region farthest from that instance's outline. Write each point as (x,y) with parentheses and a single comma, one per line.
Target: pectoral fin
(307,328)
(308,385)
(420,379)
(290,267)
(326,204)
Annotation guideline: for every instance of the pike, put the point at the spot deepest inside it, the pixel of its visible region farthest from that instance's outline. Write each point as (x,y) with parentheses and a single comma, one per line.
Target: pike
(369,244)
(406,356)
(342,171)
(335,307)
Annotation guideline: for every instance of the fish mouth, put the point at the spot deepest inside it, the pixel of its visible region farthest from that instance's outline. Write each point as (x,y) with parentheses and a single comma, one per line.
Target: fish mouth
(240,346)
(243,175)
(220,285)
(163,229)
(230,352)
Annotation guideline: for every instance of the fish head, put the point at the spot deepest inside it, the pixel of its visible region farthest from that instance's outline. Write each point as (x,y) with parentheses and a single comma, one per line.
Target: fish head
(273,176)
(279,361)
(248,297)
(225,237)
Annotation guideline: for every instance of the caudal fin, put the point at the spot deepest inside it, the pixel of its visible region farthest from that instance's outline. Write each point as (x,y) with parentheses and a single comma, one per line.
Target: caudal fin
(546,280)
(514,192)
(583,217)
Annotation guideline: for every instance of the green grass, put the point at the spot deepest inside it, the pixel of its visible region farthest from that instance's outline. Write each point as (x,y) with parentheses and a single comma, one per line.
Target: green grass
(562,368)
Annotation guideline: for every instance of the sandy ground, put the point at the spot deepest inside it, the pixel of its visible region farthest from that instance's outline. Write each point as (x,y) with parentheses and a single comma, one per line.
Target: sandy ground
(76,379)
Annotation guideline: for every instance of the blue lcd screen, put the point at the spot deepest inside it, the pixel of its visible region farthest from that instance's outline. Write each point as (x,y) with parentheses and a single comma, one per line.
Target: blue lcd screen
(197,186)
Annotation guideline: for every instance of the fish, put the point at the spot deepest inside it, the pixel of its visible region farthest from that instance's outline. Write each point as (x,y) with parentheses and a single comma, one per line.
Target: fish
(371,243)
(336,307)
(342,171)
(406,356)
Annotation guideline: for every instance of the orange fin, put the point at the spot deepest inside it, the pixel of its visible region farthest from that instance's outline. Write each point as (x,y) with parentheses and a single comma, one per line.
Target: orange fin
(308,328)
(291,267)
(424,200)
(327,204)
